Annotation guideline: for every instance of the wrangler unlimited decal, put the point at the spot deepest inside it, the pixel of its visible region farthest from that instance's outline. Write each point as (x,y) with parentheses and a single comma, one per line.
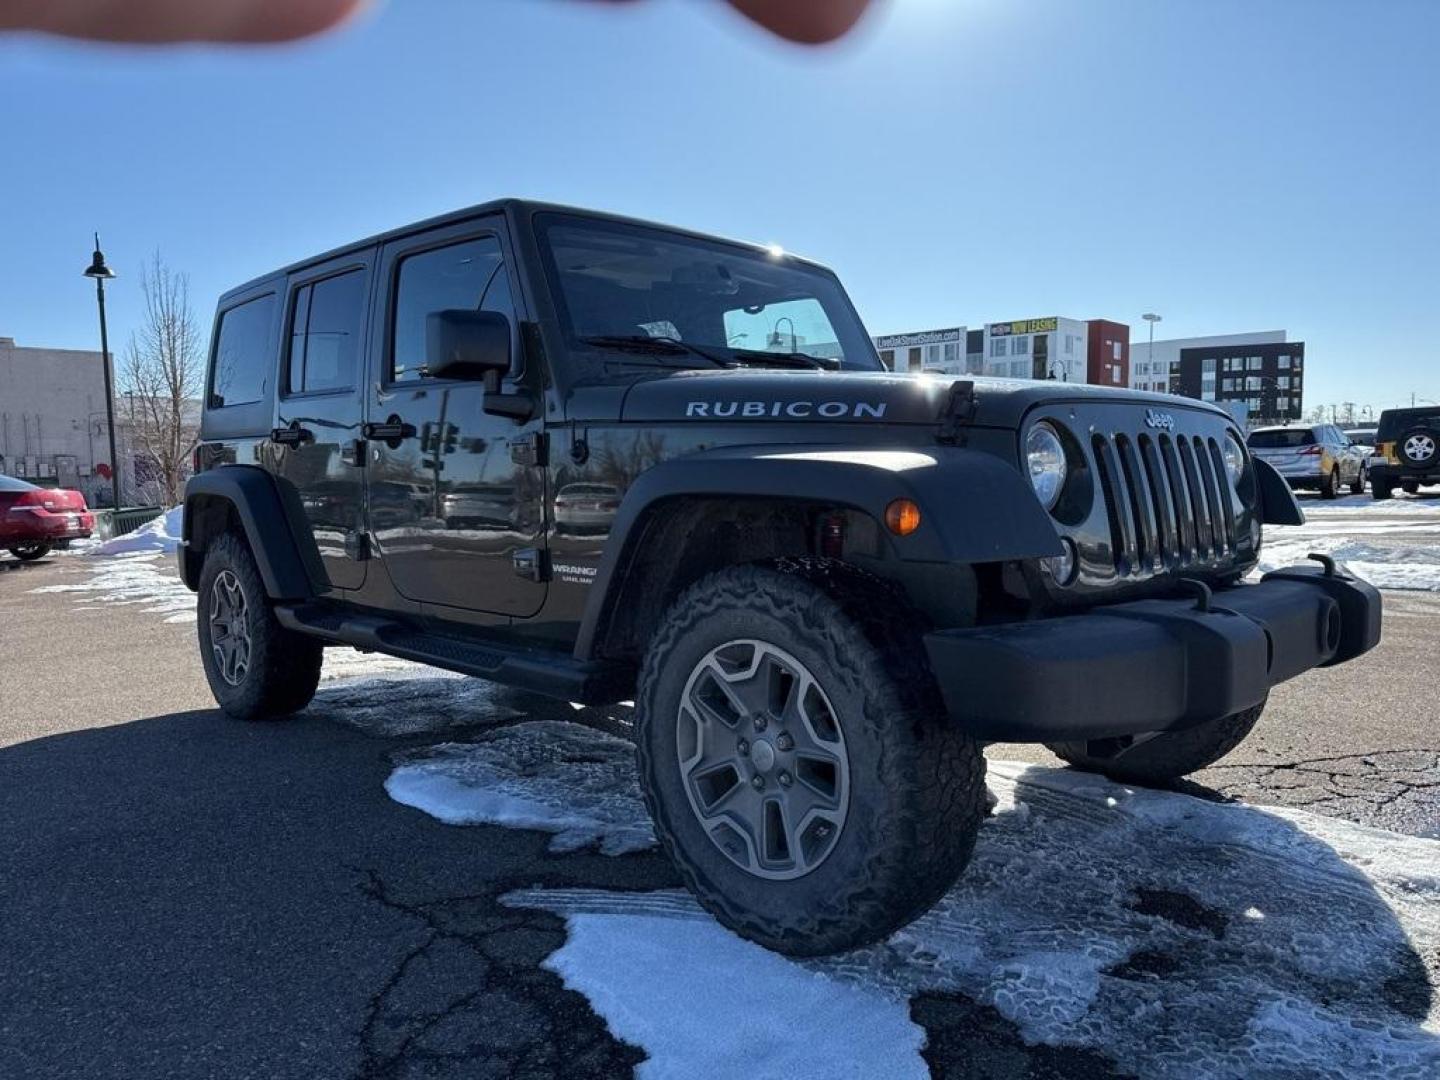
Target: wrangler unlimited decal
(829,410)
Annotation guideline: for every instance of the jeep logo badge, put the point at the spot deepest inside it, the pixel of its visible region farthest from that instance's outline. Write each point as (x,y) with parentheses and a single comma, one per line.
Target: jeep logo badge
(1154,418)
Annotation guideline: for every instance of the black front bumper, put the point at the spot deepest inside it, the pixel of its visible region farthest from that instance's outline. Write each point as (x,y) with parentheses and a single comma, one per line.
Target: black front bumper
(1151,665)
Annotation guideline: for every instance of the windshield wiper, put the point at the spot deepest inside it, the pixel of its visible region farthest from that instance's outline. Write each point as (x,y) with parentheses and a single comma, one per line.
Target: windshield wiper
(642,343)
(788,359)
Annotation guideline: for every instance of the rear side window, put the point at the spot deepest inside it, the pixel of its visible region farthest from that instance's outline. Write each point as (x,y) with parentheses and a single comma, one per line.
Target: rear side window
(243,359)
(325,330)
(469,276)
(1280,440)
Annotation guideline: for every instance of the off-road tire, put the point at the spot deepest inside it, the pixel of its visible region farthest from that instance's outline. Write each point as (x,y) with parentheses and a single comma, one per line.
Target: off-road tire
(1358,487)
(30,552)
(1330,485)
(1167,757)
(1381,489)
(284,667)
(1410,487)
(916,783)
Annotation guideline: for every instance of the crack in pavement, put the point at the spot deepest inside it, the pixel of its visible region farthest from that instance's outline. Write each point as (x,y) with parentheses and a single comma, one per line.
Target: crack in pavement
(509,1018)
(1396,789)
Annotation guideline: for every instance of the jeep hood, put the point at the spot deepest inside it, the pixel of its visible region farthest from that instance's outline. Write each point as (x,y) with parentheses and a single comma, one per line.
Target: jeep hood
(747,395)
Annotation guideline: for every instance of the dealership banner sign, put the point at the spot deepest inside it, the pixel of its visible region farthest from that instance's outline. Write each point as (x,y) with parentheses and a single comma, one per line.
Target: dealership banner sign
(1024,326)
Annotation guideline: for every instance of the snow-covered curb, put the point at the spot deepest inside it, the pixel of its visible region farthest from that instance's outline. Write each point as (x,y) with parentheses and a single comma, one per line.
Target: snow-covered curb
(161,535)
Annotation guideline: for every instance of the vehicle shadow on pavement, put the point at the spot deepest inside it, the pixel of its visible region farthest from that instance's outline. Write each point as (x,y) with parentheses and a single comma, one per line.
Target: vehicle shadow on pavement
(188,895)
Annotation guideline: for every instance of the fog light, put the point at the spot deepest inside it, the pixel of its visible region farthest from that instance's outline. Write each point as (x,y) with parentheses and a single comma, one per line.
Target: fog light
(1061,568)
(902,517)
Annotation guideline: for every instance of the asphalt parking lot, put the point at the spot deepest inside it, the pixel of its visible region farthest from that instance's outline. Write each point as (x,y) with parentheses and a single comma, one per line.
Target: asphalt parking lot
(189,896)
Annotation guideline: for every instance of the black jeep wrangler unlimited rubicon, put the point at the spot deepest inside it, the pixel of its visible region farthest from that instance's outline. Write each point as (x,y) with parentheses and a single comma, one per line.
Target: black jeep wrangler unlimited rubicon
(824,585)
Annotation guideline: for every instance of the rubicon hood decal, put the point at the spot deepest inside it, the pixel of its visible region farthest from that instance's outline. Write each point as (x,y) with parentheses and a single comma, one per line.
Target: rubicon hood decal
(857,397)
(799,410)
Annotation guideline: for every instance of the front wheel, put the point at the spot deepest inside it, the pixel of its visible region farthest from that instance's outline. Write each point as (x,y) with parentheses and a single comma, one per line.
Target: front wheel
(1358,487)
(1158,759)
(257,669)
(1381,489)
(797,759)
(30,552)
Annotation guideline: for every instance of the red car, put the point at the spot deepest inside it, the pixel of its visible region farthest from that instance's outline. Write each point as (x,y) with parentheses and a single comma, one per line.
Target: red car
(34,519)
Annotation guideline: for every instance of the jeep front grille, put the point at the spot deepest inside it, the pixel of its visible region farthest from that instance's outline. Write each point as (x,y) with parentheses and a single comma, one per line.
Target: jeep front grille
(1168,500)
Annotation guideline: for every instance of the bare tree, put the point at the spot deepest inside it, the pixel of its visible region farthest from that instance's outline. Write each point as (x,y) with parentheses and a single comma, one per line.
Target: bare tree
(162,377)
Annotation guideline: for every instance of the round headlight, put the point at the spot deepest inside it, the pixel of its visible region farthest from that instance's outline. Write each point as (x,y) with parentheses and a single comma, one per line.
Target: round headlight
(1234,459)
(1045,458)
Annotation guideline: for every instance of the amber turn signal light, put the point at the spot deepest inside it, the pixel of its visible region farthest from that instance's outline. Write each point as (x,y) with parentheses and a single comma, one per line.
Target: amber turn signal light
(902,517)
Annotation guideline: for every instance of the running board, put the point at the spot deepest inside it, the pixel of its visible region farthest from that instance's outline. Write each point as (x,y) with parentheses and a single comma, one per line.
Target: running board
(555,675)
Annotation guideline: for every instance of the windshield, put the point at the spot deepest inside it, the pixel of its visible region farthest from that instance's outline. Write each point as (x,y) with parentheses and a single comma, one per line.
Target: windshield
(1281,440)
(616,282)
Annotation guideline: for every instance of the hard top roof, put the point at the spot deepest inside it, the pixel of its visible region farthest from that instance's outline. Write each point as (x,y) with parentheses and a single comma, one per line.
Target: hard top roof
(524,208)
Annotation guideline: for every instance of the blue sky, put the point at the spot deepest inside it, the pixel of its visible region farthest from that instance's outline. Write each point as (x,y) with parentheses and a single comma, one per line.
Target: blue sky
(1232,165)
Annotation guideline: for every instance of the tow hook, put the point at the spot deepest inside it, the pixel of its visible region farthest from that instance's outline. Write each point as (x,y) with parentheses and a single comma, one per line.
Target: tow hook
(1199,590)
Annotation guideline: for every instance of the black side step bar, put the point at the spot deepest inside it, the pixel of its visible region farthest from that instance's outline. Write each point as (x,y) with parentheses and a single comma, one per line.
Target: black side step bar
(556,675)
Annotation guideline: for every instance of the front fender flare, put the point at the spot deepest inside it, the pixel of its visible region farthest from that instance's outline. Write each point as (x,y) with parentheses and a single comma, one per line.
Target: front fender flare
(1278,505)
(975,507)
(291,570)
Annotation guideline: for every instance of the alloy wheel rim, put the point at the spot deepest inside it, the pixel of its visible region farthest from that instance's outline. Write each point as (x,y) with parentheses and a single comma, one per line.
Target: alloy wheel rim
(1419,447)
(229,628)
(762,757)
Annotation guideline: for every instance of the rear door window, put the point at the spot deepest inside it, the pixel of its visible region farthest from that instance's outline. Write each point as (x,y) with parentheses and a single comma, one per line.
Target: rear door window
(325,330)
(243,357)
(1282,440)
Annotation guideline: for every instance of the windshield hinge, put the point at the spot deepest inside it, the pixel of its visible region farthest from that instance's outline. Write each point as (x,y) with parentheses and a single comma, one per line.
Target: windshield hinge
(957,414)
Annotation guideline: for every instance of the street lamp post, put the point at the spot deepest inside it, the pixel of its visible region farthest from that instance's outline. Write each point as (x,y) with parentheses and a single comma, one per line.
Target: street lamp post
(1151,318)
(100,272)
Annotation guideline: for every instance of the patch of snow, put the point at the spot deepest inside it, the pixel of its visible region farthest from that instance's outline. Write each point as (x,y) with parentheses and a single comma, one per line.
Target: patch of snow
(1393,544)
(557,777)
(142,578)
(160,535)
(1309,956)
(704,1003)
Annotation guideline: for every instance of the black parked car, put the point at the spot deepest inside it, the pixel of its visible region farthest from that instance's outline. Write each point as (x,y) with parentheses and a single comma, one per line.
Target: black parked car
(1407,451)
(824,585)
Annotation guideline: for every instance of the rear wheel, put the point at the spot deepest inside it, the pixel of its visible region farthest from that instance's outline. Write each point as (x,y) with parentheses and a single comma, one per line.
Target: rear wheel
(1410,487)
(1382,489)
(30,552)
(1358,487)
(797,759)
(257,669)
(1330,484)
(1157,759)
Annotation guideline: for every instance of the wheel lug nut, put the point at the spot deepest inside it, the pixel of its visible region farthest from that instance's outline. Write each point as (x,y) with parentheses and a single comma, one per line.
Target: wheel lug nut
(784,779)
(760,723)
(758,783)
(742,747)
(785,742)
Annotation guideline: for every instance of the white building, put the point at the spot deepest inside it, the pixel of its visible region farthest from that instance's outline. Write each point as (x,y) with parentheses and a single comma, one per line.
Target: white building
(52,420)
(941,351)
(1152,370)
(1047,348)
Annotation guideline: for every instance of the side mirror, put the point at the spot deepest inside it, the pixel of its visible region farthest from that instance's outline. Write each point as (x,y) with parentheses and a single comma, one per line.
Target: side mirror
(470,345)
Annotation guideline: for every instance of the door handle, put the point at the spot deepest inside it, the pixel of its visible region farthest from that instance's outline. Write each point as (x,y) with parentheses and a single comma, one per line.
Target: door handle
(294,435)
(391,432)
